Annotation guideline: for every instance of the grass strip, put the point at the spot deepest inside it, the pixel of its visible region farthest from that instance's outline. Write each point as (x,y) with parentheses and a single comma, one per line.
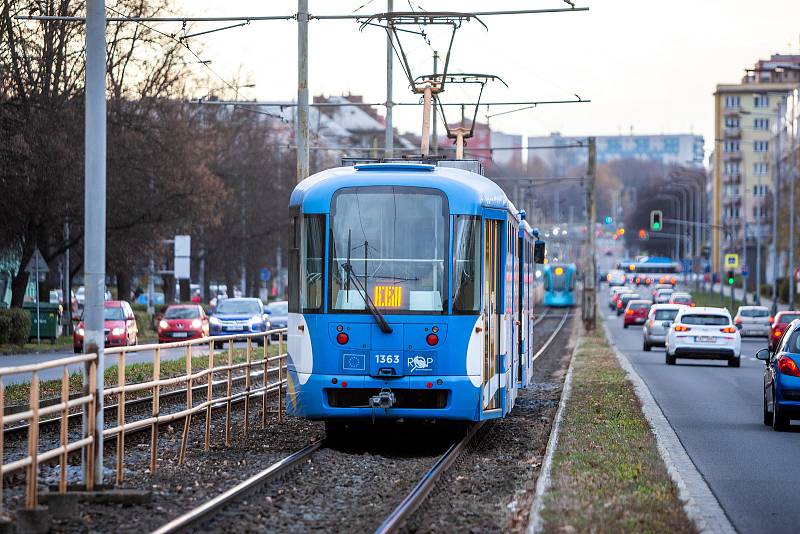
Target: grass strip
(702,298)
(607,475)
(134,374)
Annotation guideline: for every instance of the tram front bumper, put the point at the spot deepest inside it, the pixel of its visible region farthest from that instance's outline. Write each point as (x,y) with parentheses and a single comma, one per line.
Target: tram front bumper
(416,397)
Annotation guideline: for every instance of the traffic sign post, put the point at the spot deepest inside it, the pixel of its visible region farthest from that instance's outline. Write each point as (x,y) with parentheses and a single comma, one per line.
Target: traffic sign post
(732,261)
(38,268)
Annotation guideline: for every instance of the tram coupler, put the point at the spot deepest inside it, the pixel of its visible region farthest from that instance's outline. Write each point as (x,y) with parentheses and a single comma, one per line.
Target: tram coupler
(385,399)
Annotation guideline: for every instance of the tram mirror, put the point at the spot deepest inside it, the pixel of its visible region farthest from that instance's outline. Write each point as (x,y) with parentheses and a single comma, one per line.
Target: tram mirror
(538,252)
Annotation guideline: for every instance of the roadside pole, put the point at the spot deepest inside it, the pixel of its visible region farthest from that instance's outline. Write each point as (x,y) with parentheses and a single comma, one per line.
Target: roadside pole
(434,134)
(591,277)
(95,220)
(775,191)
(38,322)
(302,91)
(744,262)
(389,142)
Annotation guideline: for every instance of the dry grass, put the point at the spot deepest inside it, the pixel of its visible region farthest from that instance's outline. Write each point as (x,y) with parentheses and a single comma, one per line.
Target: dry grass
(607,474)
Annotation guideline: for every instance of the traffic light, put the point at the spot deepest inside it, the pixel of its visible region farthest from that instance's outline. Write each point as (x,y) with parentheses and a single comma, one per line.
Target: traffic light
(608,219)
(642,233)
(731,278)
(656,220)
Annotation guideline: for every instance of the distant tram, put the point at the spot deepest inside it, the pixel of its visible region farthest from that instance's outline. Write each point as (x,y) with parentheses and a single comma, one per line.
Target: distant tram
(559,284)
(651,270)
(410,295)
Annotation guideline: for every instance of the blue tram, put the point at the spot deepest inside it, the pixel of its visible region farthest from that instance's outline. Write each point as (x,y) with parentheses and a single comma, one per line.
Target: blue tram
(410,295)
(559,284)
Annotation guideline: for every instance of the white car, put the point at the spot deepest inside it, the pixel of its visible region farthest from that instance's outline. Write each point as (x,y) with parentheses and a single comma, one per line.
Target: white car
(616,278)
(704,334)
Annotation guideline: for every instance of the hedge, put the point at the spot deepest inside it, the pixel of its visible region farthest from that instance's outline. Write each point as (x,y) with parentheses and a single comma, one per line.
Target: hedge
(15,326)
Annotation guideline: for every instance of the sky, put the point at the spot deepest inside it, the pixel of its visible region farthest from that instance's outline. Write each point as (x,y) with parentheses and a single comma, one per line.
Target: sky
(647,66)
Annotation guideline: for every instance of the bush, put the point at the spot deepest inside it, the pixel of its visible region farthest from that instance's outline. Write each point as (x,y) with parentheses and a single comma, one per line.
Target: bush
(15,326)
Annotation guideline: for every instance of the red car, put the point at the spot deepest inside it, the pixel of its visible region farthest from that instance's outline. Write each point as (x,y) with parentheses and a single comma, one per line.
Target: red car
(182,322)
(636,312)
(779,326)
(119,324)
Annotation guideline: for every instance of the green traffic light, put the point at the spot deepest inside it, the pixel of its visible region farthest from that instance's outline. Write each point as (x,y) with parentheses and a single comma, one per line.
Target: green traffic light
(656,226)
(730,281)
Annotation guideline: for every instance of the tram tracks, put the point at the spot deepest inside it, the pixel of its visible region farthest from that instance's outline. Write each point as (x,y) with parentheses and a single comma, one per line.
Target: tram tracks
(399,514)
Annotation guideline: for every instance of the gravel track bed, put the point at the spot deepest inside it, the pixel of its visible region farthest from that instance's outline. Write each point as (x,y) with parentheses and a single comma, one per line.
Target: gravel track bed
(491,486)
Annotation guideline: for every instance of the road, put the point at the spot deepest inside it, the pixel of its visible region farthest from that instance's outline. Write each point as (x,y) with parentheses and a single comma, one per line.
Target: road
(145,356)
(716,412)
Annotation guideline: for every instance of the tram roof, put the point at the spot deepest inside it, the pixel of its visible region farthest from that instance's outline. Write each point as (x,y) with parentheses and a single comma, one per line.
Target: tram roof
(467,192)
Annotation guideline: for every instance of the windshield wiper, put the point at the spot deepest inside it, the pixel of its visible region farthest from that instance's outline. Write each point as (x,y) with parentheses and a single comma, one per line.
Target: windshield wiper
(351,277)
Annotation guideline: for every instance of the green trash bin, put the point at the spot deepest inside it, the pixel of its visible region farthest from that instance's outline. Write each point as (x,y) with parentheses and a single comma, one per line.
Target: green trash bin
(48,320)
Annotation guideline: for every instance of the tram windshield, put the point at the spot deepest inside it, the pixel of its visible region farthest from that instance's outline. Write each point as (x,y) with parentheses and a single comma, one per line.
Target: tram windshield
(394,240)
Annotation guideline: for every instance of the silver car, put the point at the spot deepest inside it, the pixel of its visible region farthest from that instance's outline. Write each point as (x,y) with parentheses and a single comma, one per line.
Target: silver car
(753,321)
(663,296)
(654,331)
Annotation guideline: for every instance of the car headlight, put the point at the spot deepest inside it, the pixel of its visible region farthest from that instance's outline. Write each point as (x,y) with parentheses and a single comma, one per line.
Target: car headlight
(117,331)
(214,321)
(196,323)
(256,321)
(163,324)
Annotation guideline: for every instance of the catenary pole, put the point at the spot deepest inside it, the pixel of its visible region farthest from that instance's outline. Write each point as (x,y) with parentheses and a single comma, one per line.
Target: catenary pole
(434,134)
(302,91)
(591,278)
(389,143)
(95,216)
(790,274)
(776,189)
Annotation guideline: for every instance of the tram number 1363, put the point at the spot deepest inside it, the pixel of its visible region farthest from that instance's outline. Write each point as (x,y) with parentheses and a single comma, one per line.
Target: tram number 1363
(387,358)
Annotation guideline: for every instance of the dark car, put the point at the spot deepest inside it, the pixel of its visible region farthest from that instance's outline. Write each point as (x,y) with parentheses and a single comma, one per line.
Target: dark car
(119,324)
(278,317)
(782,379)
(239,316)
(624,299)
(779,326)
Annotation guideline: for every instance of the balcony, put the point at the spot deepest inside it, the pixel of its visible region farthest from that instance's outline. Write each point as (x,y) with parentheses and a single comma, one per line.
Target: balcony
(731,179)
(732,133)
(729,200)
(730,221)
(732,156)
(731,111)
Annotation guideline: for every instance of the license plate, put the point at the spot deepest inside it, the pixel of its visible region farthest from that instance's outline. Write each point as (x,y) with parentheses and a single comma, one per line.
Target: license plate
(705,339)
(180,334)
(233,328)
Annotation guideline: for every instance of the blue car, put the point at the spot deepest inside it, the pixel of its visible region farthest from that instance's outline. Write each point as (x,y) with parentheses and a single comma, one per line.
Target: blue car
(782,379)
(239,316)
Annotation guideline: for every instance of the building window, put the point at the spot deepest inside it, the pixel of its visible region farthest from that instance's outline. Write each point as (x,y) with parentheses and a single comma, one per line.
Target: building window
(761,101)
(731,168)
(761,124)
(731,146)
(732,101)
(732,122)
(761,146)
(760,190)
(761,169)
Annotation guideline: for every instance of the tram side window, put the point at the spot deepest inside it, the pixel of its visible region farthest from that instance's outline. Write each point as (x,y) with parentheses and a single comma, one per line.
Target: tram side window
(307,244)
(466,264)
(312,252)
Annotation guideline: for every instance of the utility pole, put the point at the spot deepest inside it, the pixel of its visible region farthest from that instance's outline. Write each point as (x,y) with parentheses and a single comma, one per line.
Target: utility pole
(791,236)
(435,135)
(759,226)
(67,285)
(776,188)
(94,252)
(590,279)
(389,142)
(301,134)
(744,260)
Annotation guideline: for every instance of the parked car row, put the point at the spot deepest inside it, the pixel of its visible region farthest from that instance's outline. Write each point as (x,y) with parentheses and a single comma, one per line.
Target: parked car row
(182,322)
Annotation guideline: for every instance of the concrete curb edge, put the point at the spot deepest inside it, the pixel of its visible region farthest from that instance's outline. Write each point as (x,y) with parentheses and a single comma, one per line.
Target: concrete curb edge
(535,524)
(700,503)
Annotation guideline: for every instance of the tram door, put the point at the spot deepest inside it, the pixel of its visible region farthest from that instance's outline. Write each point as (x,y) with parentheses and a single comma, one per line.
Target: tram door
(492,306)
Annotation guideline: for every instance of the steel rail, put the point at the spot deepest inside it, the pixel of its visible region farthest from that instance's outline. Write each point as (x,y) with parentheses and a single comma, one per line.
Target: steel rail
(194,518)
(420,492)
(552,336)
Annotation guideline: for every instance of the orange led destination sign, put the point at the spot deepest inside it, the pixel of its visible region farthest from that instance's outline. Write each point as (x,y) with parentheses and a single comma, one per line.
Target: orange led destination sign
(388,296)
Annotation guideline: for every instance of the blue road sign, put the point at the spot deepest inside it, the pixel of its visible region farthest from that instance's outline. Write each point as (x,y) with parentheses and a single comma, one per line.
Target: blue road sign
(264,274)
(745,270)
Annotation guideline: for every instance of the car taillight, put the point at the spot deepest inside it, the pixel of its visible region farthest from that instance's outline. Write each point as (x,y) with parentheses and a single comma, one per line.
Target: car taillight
(629,312)
(787,366)
(619,304)
(674,281)
(771,320)
(728,330)
(342,338)
(681,328)
(738,320)
(777,333)
(638,280)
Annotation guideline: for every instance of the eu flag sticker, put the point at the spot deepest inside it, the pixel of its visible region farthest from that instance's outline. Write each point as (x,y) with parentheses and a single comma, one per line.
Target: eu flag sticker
(353,362)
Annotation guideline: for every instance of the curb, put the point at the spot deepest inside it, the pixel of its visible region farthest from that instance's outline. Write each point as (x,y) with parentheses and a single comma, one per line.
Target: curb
(699,502)
(535,524)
